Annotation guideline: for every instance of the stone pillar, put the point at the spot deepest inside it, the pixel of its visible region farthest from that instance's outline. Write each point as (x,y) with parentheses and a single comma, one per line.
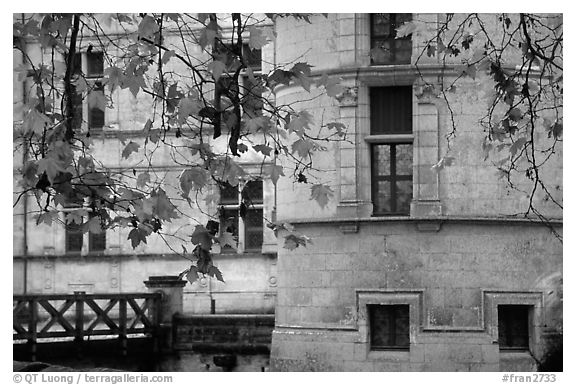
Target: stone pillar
(172,289)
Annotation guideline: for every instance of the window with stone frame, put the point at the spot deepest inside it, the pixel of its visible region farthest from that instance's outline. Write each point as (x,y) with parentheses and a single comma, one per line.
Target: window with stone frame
(391,143)
(249,89)
(75,238)
(242,214)
(89,65)
(386,48)
(389,327)
(513,327)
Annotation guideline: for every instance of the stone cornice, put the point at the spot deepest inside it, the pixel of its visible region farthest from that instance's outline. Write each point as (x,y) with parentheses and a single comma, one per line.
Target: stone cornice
(441,219)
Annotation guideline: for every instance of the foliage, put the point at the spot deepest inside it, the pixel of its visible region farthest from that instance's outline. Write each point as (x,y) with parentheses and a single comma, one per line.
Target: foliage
(192,74)
(522,61)
(204,117)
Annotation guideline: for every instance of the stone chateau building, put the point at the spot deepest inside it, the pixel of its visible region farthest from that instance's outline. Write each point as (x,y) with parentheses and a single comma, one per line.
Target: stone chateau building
(410,269)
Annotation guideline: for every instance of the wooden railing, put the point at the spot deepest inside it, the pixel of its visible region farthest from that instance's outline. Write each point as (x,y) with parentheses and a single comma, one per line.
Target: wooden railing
(80,315)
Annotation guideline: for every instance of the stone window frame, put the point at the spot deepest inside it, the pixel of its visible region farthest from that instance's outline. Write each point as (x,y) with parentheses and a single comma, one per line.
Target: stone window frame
(429,114)
(241,246)
(493,298)
(392,140)
(390,36)
(94,81)
(411,297)
(86,236)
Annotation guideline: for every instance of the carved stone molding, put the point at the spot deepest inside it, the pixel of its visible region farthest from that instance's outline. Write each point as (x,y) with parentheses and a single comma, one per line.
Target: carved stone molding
(348,98)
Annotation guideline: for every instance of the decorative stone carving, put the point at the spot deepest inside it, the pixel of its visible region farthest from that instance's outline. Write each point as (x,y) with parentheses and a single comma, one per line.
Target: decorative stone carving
(348,98)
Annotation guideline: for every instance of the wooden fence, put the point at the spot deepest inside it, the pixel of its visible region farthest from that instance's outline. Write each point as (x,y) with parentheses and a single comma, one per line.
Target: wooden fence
(81,315)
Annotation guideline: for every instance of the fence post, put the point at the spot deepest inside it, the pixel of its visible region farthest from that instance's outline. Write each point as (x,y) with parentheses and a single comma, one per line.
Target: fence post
(79,297)
(172,289)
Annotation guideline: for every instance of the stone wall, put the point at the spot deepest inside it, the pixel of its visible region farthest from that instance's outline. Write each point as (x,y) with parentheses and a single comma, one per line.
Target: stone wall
(453,279)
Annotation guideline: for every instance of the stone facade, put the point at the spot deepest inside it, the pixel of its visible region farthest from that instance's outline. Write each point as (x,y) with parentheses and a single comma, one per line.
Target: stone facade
(42,265)
(458,254)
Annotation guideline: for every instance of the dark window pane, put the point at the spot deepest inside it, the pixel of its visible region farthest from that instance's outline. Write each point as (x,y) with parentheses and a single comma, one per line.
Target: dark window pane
(74,238)
(95,114)
(77,63)
(404,159)
(252,57)
(95,64)
(253,228)
(252,97)
(403,196)
(389,326)
(390,110)
(382,154)
(229,223)
(77,102)
(383,202)
(253,193)
(386,48)
(513,330)
(392,178)
(228,194)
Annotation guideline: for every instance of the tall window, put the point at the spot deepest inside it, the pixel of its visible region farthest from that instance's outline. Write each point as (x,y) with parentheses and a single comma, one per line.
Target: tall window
(391,144)
(389,327)
(75,239)
(386,48)
(91,66)
(249,88)
(513,332)
(241,213)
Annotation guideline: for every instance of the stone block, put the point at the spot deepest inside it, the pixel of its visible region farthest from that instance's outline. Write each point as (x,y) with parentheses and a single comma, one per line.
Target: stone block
(440,316)
(467,317)
(453,297)
(325,297)
(340,262)
(299,297)
(416,353)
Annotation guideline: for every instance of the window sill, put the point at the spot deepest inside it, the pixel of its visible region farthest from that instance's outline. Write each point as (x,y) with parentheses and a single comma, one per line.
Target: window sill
(389,355)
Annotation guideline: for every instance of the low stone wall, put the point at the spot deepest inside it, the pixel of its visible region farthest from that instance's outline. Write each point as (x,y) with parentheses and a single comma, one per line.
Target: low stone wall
(224,333)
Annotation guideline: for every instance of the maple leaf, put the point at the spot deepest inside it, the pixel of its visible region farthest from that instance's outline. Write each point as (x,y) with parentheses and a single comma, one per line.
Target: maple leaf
(517,145)
(303,147)
(167,55)
(163,207)
(193,178)
(227,238)
(302,73)
(188,106)
(213,271)
(266,150)
(51,166)
(35,121)
(76,216)
(321,193)
(406,29)
(137,236)
(292,241)
(147,27)
(201,237)
(300,122)
(339,127)
(143,179)
(97,99)
(47,217)
(192,275)
(129,149)
(217,68)
(279,76)
(275,171)
(257,38)
(94,225)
